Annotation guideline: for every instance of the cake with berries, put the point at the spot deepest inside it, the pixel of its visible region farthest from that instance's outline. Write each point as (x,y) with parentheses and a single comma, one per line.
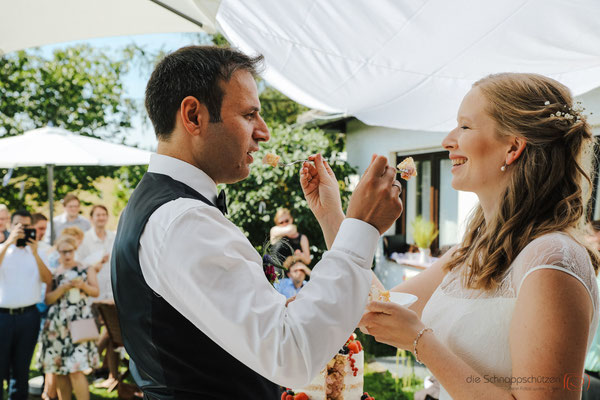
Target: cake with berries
(407,168)
(271,159)
(341,379)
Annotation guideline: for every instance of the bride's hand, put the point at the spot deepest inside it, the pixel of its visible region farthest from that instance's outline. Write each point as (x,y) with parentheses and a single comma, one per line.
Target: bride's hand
(391,323)
(320,188)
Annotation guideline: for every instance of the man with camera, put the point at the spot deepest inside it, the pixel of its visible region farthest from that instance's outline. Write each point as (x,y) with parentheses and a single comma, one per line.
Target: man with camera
(22,272)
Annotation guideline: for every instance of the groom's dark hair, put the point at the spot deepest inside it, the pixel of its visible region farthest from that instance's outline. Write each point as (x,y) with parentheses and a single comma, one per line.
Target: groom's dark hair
(192,71)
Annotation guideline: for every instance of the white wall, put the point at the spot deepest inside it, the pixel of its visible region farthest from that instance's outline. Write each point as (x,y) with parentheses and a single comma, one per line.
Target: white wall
(364,140)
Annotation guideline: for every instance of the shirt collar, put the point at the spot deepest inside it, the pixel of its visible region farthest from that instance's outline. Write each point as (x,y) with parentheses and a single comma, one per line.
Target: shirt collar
(185,173)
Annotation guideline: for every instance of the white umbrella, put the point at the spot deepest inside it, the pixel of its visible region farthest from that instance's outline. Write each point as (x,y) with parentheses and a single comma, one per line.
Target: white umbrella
(52,146)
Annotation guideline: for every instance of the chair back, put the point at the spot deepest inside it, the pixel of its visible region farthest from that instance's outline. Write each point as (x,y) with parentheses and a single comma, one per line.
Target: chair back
(108,311)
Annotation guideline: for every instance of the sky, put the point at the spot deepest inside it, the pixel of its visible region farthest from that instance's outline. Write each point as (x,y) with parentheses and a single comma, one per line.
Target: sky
(140,134)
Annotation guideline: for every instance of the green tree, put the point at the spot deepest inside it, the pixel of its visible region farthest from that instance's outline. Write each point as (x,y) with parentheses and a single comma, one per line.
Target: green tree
(254,201)
(78,88)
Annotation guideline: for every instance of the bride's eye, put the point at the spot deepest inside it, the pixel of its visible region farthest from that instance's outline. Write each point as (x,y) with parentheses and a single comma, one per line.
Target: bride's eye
(464,127)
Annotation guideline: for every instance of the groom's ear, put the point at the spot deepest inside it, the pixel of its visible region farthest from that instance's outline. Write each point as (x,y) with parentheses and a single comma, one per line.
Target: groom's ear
(194,116)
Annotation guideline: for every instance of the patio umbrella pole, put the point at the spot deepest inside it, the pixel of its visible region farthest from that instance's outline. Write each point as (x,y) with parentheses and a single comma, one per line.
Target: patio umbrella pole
(51,199)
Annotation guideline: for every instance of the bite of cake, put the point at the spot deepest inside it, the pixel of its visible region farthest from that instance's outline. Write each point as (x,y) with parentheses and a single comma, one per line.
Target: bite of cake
(407,168)
(376,294)
(271,159)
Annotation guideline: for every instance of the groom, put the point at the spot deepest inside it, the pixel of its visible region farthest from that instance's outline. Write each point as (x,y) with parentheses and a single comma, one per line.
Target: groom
(199,319)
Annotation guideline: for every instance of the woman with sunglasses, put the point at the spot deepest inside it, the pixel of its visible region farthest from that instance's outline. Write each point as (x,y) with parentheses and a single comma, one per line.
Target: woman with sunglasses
(69,301)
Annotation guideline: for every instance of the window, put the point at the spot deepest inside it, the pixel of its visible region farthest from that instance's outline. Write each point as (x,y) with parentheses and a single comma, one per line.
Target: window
(430,195)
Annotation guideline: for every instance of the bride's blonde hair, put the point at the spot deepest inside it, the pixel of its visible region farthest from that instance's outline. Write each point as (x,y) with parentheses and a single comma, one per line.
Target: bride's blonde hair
(548,188)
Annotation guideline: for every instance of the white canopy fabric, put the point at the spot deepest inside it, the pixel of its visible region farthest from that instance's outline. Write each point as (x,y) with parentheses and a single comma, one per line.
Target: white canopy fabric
(408,63)
(396,63)
(57,146)
(31,23)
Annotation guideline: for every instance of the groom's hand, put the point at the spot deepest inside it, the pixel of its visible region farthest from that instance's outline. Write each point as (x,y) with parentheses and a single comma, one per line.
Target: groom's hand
(375,200)
(321,189)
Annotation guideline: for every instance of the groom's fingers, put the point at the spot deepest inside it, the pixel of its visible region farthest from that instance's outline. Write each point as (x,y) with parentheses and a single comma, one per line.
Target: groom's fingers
(329,170)
(380,307)
(320,166)
(377,168)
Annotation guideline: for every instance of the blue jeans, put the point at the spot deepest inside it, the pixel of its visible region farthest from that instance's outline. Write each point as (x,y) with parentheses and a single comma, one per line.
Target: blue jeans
(18,336)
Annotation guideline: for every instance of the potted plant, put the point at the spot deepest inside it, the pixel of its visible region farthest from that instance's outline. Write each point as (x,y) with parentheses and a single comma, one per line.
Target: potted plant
(424,233)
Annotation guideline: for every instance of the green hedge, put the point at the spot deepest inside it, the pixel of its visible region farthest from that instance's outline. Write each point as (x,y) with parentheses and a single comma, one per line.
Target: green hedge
(373,348)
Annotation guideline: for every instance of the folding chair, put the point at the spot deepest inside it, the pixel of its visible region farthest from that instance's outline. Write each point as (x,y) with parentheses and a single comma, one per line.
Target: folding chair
(108,311)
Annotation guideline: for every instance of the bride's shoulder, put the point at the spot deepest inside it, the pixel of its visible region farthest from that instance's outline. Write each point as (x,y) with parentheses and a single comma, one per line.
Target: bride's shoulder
(556,250)
(552,248)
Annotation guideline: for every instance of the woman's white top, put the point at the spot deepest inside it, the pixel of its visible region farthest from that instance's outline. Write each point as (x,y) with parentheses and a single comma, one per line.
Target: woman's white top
(475,324)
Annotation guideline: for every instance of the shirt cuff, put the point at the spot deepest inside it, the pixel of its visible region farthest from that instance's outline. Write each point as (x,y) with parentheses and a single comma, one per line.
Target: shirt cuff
(357,237)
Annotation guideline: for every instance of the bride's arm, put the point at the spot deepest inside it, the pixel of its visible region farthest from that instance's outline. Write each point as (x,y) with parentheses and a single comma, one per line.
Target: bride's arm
(548,339)
(424,284)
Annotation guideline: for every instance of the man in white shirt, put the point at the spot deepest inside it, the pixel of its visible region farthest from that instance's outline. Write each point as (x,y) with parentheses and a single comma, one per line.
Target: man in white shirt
(198,316)
(70,217)
(22,272)
(96,248)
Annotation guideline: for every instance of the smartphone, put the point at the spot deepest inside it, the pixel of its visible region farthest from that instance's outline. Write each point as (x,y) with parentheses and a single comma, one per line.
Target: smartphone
(30,233)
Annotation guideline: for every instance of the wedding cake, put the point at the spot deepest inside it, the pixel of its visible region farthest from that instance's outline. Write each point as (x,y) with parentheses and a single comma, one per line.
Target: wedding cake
(341,379)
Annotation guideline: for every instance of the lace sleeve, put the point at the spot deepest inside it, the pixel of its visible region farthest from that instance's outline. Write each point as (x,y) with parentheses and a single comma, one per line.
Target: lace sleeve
(560,252)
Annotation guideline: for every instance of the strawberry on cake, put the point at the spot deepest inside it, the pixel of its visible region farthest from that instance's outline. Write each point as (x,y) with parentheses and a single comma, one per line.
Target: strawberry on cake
(341,379)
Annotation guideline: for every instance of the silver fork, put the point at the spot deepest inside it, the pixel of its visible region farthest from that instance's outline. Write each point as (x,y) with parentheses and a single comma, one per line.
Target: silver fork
(282,164)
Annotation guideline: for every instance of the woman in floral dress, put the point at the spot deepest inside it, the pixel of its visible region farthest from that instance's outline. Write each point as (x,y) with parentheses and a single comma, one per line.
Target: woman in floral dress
(69,301)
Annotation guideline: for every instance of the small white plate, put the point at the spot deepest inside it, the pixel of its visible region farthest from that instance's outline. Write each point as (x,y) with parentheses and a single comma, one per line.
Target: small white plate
(404,299)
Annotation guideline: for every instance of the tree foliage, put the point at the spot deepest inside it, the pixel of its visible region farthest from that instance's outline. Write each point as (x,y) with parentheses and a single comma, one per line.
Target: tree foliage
(253,202)
(78,88)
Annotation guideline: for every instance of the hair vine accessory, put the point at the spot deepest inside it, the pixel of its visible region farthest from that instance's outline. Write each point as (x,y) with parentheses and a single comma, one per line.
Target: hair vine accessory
(569,114)
(416,341)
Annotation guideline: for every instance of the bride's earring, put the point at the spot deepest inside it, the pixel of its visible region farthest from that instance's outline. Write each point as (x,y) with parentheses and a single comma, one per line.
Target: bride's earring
(503,168)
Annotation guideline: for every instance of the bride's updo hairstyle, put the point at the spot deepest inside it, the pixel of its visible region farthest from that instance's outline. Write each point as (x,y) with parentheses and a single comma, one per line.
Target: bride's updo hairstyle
(548,188)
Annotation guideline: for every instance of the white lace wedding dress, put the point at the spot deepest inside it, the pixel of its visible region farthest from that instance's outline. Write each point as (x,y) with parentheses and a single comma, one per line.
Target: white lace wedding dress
(475,324)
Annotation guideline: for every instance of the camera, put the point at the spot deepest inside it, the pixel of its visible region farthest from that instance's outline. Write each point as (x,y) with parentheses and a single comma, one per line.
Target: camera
(29,234)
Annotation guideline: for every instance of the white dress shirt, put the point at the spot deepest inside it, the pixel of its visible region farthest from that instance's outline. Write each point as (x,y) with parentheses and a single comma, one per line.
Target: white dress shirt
(91,250)
(205,267)
(20,282)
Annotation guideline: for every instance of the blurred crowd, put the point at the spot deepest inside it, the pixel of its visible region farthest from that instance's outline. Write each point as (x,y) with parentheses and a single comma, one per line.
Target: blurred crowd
(47,294)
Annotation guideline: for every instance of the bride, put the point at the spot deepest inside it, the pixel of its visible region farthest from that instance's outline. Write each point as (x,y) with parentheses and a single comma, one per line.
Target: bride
(510,312)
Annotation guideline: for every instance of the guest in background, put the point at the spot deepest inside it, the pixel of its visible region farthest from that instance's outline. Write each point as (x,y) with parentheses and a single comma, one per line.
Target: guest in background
(96,249)
(296,273)
(286,240)
(53,256)
(71,216)
(4,220)
(39,222)
(69,301)
(22,272)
